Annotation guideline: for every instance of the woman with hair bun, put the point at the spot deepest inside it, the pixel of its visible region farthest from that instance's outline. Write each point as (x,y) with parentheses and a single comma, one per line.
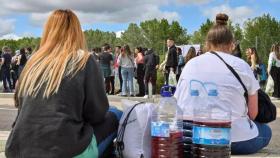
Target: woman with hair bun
(247,135)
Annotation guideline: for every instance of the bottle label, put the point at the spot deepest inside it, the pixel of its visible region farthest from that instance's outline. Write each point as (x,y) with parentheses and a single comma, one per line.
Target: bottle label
(211,136)
(160,129)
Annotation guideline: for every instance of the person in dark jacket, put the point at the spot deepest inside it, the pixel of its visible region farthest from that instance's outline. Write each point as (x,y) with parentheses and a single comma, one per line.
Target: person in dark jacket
(63,109)
(151,61)
(172,59)
(6,61)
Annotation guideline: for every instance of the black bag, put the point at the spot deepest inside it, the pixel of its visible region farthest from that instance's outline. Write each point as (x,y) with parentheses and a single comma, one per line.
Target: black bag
(266,109)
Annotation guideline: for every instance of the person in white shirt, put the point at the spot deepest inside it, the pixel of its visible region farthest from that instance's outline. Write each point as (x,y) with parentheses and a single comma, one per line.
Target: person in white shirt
(274,70)
(247,136)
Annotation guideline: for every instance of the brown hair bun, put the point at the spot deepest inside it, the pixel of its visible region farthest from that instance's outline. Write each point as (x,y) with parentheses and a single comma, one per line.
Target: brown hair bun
(221,19)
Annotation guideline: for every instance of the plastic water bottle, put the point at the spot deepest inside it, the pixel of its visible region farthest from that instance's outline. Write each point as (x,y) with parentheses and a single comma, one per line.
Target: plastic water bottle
(166,127)
(188,123)
(211,129)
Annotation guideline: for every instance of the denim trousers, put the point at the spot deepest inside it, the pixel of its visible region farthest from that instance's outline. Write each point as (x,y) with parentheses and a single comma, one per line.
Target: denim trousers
(253,145)
(127,76)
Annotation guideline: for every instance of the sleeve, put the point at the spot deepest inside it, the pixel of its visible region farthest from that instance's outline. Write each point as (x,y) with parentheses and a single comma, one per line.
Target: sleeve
(251,82)
(96,102)
(175,57)
(119,60)
(157,59)
(270,61)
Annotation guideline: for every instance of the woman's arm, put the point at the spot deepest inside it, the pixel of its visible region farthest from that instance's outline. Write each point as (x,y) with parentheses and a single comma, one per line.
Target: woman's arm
(96,102)
(253,106)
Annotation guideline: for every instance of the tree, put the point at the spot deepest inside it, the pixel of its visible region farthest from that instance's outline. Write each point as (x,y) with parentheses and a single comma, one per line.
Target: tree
(200,35)
(134,36)
(156,33)
(261,32)
(96,38)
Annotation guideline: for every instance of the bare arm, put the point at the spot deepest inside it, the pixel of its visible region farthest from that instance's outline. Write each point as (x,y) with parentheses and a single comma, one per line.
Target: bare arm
(253,106)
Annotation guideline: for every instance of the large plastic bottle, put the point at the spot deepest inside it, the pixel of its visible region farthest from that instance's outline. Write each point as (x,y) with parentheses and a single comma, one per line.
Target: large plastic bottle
(188,123)
(166,127)
(211,129)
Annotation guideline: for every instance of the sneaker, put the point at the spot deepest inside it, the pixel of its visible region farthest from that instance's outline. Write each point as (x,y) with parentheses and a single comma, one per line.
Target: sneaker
(146,97)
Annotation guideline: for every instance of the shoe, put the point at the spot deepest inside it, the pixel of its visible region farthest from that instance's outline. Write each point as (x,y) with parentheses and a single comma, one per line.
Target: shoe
(146,97)
(112,93)
(132,96)
(123,95)
(140,95)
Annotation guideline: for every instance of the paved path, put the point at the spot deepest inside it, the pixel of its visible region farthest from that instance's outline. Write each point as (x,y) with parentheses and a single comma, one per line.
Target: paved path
(8,114)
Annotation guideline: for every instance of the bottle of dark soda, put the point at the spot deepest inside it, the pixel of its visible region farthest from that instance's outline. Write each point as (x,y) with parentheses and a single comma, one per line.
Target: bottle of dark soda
(166,127)
(211,129)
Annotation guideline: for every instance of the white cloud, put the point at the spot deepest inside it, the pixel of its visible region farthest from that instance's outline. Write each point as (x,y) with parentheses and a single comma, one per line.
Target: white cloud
(236,14)
(6,26)
(119,33)
(193,1)
(103,11)
(10,36)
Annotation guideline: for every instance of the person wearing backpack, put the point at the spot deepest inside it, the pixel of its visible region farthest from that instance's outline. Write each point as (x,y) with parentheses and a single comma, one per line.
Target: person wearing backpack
(217,65)
(151,61)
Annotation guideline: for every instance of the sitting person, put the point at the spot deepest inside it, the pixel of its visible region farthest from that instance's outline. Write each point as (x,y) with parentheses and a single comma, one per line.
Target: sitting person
(63,108)
(247,135)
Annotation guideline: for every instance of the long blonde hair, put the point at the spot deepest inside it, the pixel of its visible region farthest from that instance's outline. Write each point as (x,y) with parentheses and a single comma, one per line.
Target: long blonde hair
(62,52)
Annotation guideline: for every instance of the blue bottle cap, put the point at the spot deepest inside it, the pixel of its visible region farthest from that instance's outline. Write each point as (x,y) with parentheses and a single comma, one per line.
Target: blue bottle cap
(213,92)
(167,91)
(194,93)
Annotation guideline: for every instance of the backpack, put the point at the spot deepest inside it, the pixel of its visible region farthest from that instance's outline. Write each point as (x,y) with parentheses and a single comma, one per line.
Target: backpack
(263,74)
(134,137)
(181,60)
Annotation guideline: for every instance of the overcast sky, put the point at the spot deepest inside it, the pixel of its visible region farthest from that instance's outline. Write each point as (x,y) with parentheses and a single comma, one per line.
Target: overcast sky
(19,18)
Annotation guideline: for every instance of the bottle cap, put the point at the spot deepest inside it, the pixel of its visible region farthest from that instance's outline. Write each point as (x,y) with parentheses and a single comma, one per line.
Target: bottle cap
(167,91)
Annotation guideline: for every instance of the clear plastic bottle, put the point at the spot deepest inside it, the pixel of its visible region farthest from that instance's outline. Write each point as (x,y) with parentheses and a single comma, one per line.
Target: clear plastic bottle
(211,129)
(188,123)
(166,127)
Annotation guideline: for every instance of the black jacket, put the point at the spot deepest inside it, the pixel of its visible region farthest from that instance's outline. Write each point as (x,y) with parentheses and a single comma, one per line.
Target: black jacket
(172,59)
(151,60)
(60,126)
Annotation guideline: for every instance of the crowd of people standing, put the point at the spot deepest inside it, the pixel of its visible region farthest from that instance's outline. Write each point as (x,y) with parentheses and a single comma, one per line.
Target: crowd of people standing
(121,67)
(11,66)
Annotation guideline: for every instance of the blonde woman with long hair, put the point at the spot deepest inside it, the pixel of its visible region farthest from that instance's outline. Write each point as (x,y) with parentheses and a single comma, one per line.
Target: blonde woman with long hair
(63,108)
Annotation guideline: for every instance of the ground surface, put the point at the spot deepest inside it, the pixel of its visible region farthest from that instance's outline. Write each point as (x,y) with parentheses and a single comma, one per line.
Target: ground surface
(8,114)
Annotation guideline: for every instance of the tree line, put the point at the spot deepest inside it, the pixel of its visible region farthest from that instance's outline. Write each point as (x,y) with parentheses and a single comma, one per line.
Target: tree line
(260,32)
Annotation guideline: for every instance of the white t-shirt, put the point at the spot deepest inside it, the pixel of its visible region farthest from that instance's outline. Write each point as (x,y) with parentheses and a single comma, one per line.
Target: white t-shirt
(272,57)
(209,68)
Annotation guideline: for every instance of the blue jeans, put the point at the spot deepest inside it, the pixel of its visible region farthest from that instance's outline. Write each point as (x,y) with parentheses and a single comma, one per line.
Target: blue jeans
(253,145)
(104,134)
(7,78)
(127,76)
